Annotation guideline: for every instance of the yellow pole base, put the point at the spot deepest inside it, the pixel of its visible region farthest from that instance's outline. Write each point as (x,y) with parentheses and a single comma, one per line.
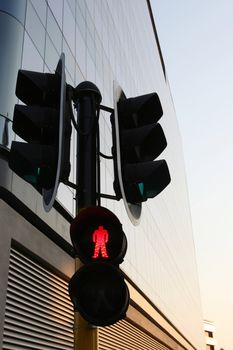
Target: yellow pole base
(85,335)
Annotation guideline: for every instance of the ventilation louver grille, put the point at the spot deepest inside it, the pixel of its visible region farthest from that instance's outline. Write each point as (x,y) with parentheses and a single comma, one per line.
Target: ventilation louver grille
(39,314)
(125,336)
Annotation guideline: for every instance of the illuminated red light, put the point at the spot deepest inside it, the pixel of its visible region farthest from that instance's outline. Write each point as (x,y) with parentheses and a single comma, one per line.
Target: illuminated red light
(100,238)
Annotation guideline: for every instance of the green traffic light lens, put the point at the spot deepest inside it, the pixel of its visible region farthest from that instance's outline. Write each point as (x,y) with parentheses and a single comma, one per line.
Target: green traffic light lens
(141,188)
(33,175)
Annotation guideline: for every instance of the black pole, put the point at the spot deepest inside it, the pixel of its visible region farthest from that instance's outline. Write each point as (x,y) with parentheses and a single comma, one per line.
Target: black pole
(87,99)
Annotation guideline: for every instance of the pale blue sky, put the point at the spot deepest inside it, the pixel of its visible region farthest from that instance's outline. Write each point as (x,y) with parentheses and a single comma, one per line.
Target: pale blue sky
(196,38)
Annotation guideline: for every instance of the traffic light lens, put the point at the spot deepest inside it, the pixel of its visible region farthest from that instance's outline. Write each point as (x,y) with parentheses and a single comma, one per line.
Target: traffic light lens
(97,235)
(141,188)
(33,177)
(99,293)
(100,240)
(97,241)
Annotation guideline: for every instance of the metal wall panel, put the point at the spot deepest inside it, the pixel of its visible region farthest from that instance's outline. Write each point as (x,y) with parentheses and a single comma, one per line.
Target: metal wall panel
(38,314)
(125,336)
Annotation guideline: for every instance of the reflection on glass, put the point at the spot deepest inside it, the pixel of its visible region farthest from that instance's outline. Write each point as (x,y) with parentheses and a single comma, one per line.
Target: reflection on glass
(80,51)
(54,31)
(69,27)
(80,22)
(6,133)
(71,4)
(11,39)
(90,44)
(57,10)
(70,61)
(15,8)
(40,7)
(51,55)
(35,29)
(31,57)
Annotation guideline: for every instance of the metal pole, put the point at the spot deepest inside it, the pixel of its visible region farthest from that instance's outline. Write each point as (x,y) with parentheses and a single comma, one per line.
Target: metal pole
(87,100)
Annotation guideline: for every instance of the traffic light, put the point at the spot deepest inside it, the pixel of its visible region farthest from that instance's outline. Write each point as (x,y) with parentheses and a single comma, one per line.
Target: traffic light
(98,290)
(137,140)
(44,123)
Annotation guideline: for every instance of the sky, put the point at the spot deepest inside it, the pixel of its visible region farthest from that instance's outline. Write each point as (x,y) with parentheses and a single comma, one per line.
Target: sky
(196,37)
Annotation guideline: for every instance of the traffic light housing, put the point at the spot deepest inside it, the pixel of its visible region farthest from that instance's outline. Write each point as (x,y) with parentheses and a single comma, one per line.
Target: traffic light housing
(44,123)
(138,140)
(98,290)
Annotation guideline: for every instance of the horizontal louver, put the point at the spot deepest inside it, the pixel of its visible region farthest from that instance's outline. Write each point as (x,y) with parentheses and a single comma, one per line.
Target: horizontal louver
(39,314)
(125,336)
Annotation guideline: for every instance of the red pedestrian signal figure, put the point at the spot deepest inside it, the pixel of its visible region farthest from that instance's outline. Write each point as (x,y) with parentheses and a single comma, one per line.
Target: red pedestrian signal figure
(100,238)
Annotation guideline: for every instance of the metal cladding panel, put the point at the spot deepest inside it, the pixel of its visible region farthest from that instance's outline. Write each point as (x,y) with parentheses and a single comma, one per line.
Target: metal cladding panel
(125,336)
(38,313)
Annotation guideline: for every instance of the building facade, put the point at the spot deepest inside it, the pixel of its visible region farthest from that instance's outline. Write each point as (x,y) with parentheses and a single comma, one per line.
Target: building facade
(103,41)
(209,329)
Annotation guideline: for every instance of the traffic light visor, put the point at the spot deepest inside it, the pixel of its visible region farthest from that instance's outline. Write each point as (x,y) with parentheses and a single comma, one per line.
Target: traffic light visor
(146,180)
(33,163)
(34,88)
(139,111)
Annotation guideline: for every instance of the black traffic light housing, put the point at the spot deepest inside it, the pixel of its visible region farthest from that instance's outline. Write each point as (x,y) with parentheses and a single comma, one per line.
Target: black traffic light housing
(137,140)
(98,219)
(44,123)
(98,290)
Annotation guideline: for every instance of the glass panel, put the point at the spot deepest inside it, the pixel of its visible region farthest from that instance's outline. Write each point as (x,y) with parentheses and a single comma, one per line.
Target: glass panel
(15,8)
(91,6)
(35,29)
(40,7)
(54,31)
(80,51)
(79,76)
(51,55)
(81,22)
(11,40)
(90,69)
(65,196)
(72,6)
(82,7)
(69,27)
(56,7)
(69,60)
(31,57)
(90,45)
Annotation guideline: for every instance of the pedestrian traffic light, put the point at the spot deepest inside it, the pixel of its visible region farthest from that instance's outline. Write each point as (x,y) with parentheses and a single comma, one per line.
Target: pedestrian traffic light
(97,235)
(98,290)
(44,123)
(137,140)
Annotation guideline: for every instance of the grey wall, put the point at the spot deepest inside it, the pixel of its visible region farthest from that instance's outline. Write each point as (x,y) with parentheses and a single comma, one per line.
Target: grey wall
(14,229)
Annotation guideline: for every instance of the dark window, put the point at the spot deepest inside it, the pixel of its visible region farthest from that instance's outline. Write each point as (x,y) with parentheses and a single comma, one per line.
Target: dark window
(209,334)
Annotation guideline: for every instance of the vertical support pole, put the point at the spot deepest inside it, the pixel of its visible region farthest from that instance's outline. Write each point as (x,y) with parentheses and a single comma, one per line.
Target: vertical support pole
(87,102)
